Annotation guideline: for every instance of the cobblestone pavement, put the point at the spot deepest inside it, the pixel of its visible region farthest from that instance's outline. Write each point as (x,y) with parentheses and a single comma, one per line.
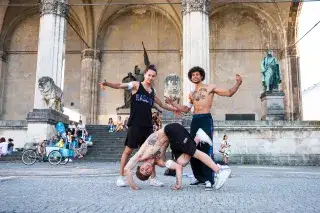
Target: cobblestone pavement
(90,187)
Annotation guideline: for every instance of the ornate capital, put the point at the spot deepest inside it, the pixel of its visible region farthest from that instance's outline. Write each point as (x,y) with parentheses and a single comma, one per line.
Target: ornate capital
(91,54)
(189,6)
(3,56)
(56,7)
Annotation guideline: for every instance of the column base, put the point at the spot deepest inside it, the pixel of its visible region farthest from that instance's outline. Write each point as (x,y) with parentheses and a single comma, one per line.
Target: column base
(41,124)
(272,103)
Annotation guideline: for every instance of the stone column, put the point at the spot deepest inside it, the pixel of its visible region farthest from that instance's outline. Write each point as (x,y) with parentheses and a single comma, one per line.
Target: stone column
(291,84)
(3,58)
(50,63)
(195,40)
(90,66)
(51,46)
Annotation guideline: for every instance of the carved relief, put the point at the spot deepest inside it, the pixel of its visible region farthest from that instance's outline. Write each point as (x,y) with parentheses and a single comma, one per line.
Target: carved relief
(172,88)
(90,53)
(54,7)
(51,93)
(195,6)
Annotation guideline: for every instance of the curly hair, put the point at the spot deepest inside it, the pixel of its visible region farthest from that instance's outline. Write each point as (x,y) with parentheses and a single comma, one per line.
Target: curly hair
(197,69)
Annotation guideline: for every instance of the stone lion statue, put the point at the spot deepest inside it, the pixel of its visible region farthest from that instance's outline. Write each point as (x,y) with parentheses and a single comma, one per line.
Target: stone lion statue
(172,88)
(51,93)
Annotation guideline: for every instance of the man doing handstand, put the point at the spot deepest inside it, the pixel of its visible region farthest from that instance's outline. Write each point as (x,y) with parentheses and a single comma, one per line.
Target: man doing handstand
(152,153)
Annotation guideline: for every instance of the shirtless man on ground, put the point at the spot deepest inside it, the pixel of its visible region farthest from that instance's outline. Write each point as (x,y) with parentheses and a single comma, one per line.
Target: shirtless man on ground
(202,100)
(152,153)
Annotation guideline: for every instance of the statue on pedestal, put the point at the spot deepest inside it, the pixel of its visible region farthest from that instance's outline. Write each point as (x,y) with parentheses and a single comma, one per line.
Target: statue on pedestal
(51,93)
(271,73)
(137,74)
(127,93)
(172,87)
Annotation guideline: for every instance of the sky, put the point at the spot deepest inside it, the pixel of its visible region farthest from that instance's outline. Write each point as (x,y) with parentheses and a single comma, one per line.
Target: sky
(309,46)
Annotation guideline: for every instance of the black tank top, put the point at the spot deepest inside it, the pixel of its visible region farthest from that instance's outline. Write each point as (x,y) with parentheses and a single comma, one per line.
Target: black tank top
(140,111)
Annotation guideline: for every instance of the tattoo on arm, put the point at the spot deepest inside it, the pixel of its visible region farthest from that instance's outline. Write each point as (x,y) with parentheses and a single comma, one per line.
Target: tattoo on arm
(152,139)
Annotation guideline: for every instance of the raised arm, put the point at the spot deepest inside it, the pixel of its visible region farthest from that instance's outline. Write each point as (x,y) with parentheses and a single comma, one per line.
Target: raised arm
(229,92)
(131,85)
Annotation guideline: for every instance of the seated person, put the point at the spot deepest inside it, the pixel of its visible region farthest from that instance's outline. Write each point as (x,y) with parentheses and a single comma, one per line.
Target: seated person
(60,144)
(87,138)
(152,153)
(125,124)
(3,147)
(41,148)
(82,150)
(119,125)
(10,146)
(110,126)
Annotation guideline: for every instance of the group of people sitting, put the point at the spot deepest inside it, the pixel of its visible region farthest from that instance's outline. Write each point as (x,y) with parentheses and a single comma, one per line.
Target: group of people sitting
(118,126)
(77,140)
(6,147)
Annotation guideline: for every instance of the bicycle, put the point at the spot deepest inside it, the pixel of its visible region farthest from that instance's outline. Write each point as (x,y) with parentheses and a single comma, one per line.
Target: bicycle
(30,156)
(61,156)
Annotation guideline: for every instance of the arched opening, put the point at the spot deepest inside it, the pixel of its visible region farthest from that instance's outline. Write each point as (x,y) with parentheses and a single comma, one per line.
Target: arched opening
(120,42)
(309,47)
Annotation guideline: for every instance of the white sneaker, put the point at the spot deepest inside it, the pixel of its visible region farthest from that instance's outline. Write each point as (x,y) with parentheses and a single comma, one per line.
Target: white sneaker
(121,181)
(70,160)
(222,177)
(155,182)
(208,186)
(204,138)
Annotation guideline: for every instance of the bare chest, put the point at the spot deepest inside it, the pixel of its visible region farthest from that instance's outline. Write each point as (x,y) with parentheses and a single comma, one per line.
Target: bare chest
(201,95)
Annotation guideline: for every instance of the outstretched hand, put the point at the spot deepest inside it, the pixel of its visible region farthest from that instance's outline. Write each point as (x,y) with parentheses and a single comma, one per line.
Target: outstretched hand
(238,79)
(103,84)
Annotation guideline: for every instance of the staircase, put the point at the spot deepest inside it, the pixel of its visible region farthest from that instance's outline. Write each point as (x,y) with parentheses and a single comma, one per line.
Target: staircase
(107,146)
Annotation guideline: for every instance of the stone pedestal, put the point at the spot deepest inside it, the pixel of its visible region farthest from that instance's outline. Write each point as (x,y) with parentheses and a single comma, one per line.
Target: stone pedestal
(195,40)
(2,80)
(41,124)
(90,65)
(123,112)
(272,104)
(51,45)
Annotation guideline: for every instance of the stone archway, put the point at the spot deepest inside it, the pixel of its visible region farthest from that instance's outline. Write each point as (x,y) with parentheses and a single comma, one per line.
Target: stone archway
(119,40)
(237,50)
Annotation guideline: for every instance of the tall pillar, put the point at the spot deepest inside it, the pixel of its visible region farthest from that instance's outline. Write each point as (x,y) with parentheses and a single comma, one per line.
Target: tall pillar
(195,40)
(3,58)
(90,66)
(291,84)
(51,46)
(50,63)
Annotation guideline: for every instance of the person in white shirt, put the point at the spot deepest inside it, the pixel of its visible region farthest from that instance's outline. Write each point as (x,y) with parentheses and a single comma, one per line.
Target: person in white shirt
(225,149)
(80,129)
(3,147)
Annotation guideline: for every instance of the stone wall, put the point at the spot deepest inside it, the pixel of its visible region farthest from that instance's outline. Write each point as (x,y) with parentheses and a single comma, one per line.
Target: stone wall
(269,142)
(122,50)
(17,130)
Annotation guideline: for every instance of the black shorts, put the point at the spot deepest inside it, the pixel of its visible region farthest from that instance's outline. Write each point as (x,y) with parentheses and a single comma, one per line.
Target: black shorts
(180,140)
(137,135)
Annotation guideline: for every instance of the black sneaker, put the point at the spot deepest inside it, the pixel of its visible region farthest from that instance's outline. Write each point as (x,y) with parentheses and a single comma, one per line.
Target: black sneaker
(196,183)
(208,186)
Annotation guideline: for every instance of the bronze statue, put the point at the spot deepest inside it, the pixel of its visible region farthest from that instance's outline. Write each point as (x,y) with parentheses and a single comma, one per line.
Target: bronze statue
(127,93)
(139,76)
(271,73)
